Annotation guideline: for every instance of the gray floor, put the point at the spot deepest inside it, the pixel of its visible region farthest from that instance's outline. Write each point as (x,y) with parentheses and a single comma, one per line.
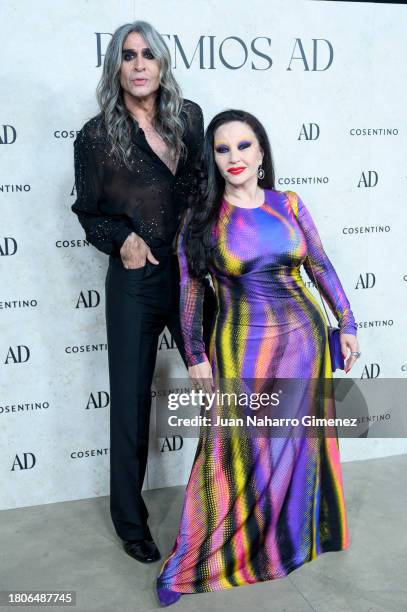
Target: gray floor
(72,545)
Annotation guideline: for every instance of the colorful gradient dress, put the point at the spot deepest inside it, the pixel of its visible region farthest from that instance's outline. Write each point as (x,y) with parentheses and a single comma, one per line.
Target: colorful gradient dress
(256,508)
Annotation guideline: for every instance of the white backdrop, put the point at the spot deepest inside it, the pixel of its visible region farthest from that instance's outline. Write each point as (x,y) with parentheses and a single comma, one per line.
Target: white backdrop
(328,79)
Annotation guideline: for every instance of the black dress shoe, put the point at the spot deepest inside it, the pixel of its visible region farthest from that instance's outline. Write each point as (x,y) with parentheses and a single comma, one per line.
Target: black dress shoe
(143,550)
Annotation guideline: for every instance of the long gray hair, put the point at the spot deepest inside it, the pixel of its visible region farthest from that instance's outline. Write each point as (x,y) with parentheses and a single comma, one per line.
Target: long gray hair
(169,121)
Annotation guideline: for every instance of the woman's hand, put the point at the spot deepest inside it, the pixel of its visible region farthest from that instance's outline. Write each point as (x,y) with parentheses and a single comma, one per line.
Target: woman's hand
(135,252)
(201,376)
(349,341)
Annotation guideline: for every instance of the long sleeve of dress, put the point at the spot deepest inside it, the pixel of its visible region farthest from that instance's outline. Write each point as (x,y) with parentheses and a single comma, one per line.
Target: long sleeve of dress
(192,292)
(106,232)
(325,275)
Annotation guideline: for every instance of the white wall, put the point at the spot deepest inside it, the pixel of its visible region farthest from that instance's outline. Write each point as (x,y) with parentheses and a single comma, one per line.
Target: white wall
(49,75)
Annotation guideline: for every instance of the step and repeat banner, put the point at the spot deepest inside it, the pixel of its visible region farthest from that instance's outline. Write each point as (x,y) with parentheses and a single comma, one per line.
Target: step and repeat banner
(328,81)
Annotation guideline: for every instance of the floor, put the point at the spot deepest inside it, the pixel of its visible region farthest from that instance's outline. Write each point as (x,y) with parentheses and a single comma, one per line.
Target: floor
(72,546)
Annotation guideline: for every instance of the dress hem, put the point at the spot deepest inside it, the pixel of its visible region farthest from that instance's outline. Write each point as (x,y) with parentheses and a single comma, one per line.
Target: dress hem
(288,569)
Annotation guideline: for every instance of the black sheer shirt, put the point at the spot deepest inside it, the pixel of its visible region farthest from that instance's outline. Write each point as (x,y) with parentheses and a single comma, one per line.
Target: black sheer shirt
(113,201)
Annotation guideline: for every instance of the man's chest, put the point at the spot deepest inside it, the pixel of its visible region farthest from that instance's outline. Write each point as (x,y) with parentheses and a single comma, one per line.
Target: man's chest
(160,148)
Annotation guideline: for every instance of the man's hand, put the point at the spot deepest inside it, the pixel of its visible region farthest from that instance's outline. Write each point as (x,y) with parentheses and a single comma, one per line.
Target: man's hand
(135,252)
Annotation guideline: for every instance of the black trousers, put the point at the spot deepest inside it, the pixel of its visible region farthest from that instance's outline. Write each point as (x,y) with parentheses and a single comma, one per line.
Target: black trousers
(139,304)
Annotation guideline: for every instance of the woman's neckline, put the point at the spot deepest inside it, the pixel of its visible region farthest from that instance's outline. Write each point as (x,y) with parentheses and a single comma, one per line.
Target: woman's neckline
(244,207)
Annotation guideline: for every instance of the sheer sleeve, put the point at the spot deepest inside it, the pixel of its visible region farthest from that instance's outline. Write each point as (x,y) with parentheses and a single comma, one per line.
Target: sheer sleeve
(192,292)
(326,277)
(187,181)
(106,232)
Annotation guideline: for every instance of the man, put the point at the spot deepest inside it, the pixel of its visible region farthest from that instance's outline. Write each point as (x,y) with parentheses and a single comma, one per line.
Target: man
(135,166)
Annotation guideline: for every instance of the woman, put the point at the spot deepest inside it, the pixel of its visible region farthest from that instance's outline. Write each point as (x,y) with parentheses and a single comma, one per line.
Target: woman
(256,508)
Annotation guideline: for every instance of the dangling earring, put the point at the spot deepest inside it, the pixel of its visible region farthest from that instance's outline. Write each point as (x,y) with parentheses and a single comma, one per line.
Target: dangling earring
(260,172)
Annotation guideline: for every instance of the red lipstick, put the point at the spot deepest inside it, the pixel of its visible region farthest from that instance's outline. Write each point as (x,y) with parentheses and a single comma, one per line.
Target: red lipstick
(237,170)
